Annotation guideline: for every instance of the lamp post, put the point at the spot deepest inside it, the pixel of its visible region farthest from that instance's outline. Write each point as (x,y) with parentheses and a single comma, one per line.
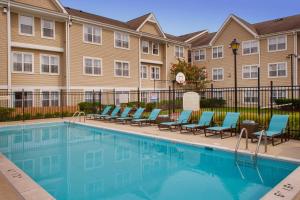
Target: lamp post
(234,45)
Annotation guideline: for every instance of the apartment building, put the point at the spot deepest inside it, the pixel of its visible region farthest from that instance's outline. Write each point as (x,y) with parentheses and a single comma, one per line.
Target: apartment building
(47,48)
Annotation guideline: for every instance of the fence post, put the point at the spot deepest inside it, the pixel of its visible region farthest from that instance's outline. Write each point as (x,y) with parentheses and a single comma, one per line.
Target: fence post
(271,97)
(169,105)
(138,91)
(100,100)
(23,106)
(114,93)
(94,107)
(258,92)
(211,91)
(173,102)
(61,104)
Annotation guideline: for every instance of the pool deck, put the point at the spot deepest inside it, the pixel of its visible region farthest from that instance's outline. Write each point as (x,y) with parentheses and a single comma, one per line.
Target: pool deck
(288,150)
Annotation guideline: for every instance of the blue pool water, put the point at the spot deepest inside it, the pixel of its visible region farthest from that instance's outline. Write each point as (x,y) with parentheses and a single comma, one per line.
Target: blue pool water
(80,162)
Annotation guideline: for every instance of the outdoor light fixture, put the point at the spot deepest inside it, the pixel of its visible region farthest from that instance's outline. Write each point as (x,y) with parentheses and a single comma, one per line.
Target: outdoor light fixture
(4,9)
(234,45)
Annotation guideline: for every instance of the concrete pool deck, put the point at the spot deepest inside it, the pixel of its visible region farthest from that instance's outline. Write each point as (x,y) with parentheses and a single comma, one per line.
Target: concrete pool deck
(288,150)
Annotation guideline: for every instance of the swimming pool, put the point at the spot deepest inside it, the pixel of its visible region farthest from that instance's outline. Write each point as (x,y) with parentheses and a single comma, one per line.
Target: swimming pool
(82,162)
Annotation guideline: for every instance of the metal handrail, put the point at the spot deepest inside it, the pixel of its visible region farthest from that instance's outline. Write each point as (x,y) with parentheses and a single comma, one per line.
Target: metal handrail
(244,130)
(78,114)
(263,132)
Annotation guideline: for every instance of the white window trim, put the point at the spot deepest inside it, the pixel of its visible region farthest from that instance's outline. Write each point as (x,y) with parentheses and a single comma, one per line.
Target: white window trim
(42,98)
(158,48)
(286,44)
(42,30)
(122,61)
(249,54)
(26,90)
(212,52)
(19,24)
(12,63)
(175,51)
(146,71)
(199,56)
(115,40)
(212,73)
(50,74)
(286,68)
(249,103)
(92,58)
(143,47)
(87,42)
(156,67)
(243,69)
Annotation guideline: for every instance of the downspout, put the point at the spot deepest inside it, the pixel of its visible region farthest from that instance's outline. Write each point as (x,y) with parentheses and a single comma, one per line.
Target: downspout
(295,59)
(166,54)
(139,65)
(68,58)
(9,87)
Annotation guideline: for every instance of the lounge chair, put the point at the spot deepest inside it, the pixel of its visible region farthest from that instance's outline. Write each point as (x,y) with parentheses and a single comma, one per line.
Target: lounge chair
(204,122)
(125,113)
(114,113)
(277,128)
(103,113)
(137,115)
(151,119)
(183,119)
(229,124)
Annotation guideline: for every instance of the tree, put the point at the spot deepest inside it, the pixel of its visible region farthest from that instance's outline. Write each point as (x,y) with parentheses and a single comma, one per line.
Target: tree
(195,76)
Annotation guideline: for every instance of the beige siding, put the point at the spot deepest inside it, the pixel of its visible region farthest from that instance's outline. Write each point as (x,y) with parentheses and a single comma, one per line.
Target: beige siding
(46,4)
(37,38)
(298,52)
(151,28)
(108,53)
(3,47)
(37,79)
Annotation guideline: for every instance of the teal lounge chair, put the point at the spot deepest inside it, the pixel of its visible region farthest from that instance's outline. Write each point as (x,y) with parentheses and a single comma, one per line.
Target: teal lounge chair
(113,113)
(182,119)
(125,113)
(229,124)
(137,115)
(103,113)
(204,122)
(151,119)
(277,127)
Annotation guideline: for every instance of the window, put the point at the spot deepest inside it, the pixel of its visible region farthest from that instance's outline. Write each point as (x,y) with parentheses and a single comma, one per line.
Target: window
(48,28)
(145,47)
(277,43)
(121,40)
(250,72)
(155,48)
(90,96)
(26,25)
(217,52)
(121,68)
(50,98)
(122,97)
(218,94)
(92,66)
(93,160)
(155,73)
(179,51)
(279,94)
(218,74)
(144,72)
(28,99)
(277,70)
(145,97)
(49,64)
(92,34)
(250,47)
(199,54)
(22,62)
(250,97)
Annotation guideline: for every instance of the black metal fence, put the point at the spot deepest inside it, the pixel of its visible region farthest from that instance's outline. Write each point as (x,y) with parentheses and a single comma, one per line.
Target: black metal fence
(254,103)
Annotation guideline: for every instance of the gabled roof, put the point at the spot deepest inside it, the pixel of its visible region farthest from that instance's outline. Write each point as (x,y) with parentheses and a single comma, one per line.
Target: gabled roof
(204,40)
(191,36)
(59,4)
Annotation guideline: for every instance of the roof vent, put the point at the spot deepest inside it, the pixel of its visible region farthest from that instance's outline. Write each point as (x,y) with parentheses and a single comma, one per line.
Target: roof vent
(278,20)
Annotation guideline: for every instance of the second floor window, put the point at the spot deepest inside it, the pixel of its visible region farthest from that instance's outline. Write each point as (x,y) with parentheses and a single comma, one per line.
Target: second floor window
(26,25)
(155,48)
(218,74)
(121,69)
(250,47)
(49,64)
(145,47)
(23,62)
(217,52)
(144,72)
(250,72)
(48,28)
(277,70)
(92,34)
(199,55)
(155,73)
(277,43)
(121,40)
(93,66)
(179,51)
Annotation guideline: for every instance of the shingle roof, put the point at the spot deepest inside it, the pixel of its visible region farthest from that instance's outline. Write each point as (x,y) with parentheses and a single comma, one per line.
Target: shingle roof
(190,35)
(137,22)
(173,37)
(204,40)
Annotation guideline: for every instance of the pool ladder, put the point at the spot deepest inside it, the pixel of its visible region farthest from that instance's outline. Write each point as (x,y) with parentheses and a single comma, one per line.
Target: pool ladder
(254,157)
(78,115)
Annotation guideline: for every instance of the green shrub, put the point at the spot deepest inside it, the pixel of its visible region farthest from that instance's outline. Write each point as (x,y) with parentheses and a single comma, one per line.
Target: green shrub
(18,117)
(38,116)
(5,113)
(292,102)
(27,116)
(88,107)
(212,103)
(150,106)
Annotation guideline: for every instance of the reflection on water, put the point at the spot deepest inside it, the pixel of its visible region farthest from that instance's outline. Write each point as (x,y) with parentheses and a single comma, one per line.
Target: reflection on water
(78,162)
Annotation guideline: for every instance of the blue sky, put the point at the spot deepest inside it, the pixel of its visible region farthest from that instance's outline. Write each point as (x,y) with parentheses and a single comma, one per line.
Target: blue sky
(180,17)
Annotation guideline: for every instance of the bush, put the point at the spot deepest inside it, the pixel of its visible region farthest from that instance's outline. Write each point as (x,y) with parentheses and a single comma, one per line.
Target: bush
(290,103)
(38,116)
(5,113)
(212,103)
(150,106)
(88,107)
